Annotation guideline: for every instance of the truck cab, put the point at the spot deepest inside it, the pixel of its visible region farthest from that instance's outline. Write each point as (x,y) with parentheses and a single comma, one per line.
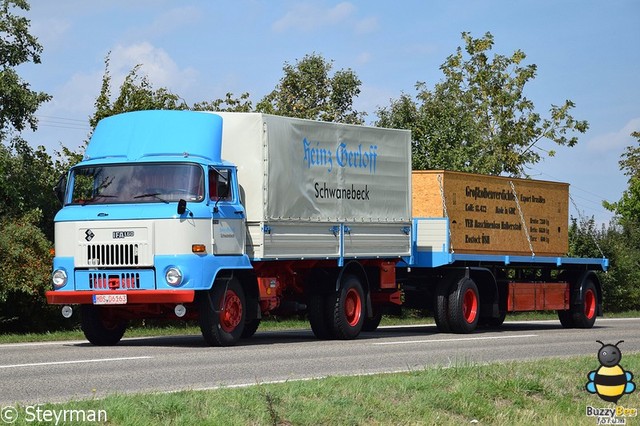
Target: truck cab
(150,216)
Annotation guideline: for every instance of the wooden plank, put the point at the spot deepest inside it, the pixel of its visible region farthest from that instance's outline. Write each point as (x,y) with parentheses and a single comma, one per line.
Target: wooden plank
(537,297)
(484,216)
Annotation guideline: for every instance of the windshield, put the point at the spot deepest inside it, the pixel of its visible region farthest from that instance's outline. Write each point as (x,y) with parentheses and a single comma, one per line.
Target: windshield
(137,183)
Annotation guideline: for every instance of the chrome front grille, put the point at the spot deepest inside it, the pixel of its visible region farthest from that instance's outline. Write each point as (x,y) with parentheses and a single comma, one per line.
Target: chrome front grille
(124,254)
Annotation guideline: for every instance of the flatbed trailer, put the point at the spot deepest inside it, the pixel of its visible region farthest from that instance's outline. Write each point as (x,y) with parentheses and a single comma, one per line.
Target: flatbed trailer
(227,218)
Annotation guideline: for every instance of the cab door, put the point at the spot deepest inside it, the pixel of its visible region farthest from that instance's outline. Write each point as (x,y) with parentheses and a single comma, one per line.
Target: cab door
(228,215)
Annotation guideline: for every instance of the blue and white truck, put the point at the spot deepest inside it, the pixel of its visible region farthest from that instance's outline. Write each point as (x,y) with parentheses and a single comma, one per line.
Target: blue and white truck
(227,218)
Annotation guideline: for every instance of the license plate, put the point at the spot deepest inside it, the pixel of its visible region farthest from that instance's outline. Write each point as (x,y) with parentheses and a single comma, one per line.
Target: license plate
(109,299)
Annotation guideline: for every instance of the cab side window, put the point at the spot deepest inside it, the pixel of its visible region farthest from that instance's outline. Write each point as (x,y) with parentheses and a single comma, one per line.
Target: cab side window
(219,184)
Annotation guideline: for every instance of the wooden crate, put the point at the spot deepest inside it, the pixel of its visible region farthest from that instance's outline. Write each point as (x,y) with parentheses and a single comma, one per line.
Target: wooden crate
(484,216)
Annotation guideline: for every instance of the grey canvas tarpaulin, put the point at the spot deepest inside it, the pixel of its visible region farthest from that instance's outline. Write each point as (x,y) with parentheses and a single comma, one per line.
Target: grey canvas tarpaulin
(302,170)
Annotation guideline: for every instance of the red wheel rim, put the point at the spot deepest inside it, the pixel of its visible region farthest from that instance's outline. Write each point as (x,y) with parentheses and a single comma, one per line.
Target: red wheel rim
(231,313)
(470,306)
(353,307)
(589,304)
(109,322)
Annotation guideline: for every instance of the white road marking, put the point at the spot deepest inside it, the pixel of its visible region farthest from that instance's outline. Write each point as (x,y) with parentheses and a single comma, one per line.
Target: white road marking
(462,339)
(80,361)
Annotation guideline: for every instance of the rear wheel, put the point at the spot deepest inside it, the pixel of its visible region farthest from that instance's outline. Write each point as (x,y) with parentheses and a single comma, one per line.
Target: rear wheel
(371,324)
(100,328)
(318,317)
(222,313)
(346,309)
(584,314)
(464,306)
(441,305)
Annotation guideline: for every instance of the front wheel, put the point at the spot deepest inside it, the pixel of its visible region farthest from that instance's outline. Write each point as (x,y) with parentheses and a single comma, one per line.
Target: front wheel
(250,328)
(222,313)
(100,328)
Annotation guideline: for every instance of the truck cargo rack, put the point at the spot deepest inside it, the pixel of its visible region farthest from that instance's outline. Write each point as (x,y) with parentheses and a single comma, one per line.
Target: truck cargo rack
(431,243)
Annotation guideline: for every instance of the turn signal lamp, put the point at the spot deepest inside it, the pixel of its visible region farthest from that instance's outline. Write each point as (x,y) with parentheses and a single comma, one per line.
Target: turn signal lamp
(198,248)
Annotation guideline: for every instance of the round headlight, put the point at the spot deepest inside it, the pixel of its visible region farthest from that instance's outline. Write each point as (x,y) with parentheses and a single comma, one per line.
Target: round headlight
(59,278)
(173,276)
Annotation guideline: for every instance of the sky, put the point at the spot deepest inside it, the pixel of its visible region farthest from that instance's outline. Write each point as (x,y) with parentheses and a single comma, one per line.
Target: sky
(585,50)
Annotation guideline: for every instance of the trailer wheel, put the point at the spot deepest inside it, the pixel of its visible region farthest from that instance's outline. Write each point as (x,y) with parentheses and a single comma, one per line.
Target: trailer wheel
(99,328)
(464,306)
(566,319)
(222,313)
(346,309)
(584,314)
(441,305)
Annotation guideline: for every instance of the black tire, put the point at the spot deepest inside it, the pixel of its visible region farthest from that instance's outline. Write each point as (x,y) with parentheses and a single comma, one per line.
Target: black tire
(584,314)
(222,313)
(371,324)
(566,319)
(346,309)
(441,305)
(464,306)
(250,328)
(98,328)
(318,317)
(496,322)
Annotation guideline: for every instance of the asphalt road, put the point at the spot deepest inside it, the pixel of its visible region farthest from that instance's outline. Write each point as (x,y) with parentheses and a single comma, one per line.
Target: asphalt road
(50,372)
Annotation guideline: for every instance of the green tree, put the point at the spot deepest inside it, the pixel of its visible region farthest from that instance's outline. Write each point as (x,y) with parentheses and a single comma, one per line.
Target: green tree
(27,177)
(477,118)
(136,94)
(621,245)
(623,280)
(18,103)
(628,208)
(229,103)
(25,173)
(307,90)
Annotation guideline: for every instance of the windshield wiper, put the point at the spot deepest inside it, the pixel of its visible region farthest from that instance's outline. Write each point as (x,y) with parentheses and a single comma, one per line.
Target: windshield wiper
(151,194)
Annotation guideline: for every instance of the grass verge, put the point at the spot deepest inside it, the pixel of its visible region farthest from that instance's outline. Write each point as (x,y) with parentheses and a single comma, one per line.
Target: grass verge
(521,393)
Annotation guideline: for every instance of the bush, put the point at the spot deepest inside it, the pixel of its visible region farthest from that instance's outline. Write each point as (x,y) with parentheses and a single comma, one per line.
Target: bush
(25,262)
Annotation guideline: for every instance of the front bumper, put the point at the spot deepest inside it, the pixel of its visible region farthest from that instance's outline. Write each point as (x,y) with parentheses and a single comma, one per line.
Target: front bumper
(133,297)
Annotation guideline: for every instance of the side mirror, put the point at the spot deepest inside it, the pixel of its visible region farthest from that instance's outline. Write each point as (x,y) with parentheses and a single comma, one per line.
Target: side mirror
(182,206)
(60,188)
